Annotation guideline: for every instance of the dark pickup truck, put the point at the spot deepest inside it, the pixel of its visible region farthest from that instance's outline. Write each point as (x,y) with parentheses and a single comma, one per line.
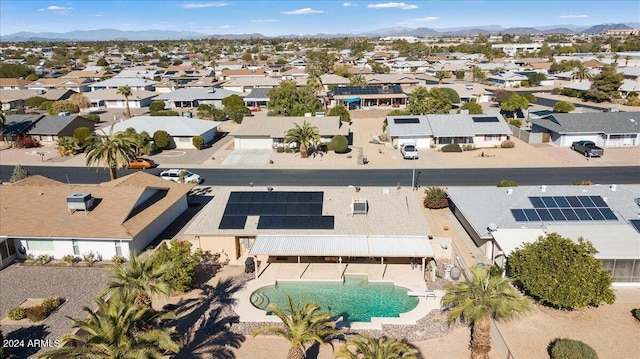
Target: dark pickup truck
(587,148)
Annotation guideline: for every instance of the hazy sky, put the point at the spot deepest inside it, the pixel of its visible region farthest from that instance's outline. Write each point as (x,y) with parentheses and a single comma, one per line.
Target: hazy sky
(303,17)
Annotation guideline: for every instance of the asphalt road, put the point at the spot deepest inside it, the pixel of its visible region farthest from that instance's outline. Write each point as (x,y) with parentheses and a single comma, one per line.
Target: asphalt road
(365,177)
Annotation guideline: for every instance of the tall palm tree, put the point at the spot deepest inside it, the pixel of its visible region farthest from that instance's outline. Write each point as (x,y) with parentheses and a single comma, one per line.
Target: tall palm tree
(126,92)
(357,80)
(302,325)
(118,330)
(365,346)
(626,60)
(616,57)
(314,84)
(140,278)
(305,135)
(476,73)
(486,297)
(112,150)
(582,73)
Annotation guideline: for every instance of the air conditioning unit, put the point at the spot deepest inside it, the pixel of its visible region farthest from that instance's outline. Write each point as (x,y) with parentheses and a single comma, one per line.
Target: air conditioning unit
(359,206)
(79,202)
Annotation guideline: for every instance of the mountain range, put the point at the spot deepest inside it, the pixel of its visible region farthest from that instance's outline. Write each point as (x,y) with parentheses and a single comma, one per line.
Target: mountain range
(145,35)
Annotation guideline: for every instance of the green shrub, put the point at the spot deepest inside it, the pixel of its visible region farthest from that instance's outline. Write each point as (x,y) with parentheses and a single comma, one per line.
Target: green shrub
(451,148)
(35,101)
(516,123)
(340,110)
(452,94)
(92,117)
(583,183)
(179,253)
(398,112)
(571,349)
(43,259)
(19,174)
(161,139)
(118,259)
(636,313)
(67,146)
(164,113)
(84,135)
(507,144)
(435,197)
(89,258)
(16,313)
(339,144)
(198,142)
(71,259)
(156,106)
(62,106)
(37,313)
(507,183)
(50,304)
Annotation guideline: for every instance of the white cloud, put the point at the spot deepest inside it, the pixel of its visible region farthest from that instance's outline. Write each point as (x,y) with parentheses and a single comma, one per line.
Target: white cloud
(204,5)
(348,4)
(392,5)
(304,11)
(226,26)
(263,20)
(573,16)
(426,19)
(56,8)
(95,15)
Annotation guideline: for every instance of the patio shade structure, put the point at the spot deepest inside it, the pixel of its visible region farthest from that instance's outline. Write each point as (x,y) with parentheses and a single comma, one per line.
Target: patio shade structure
(343,246)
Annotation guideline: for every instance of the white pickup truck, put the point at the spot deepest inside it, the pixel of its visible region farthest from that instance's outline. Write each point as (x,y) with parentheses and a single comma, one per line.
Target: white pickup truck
(409,151)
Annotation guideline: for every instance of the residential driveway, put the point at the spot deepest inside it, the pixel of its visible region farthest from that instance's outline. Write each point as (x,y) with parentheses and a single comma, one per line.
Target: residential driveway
(627,156)
(247,158)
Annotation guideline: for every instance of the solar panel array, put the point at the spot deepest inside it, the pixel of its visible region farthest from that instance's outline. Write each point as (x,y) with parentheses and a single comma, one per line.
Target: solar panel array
(367,90)
(485,119)
(565,208)
(277,210)
(402,121)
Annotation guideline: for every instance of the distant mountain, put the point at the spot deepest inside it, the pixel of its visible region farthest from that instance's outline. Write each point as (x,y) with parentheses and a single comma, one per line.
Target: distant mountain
(113,34)
(103,35)
(598,29)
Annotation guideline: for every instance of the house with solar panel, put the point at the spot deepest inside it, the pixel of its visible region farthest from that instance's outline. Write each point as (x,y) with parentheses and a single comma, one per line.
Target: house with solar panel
(425,131)
(325,225)
(354,97)
(500,220)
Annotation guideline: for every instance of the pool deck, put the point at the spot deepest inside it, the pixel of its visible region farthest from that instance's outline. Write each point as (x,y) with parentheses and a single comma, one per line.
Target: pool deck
(399,274)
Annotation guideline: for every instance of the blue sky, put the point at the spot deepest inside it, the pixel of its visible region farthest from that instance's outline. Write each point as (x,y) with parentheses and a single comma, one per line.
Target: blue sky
(274,18)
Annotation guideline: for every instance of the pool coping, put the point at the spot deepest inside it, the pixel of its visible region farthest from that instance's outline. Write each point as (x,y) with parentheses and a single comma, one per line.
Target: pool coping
(249,313)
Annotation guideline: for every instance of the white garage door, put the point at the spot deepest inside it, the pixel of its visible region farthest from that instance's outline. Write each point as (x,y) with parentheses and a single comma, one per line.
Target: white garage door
(420,142)
(569,139)
(253,143)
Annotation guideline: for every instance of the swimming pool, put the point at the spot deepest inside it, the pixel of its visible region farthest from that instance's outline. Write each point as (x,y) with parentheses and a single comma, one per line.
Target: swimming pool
(355,299)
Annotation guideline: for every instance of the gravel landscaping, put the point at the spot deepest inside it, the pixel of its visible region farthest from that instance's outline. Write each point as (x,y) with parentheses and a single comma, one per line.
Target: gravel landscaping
(78,286)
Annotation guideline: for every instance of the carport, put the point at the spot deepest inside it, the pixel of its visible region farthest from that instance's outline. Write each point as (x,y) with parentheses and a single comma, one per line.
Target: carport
(340,248)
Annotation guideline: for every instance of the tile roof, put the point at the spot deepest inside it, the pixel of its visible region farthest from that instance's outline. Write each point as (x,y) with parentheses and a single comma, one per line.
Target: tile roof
(36,207)
(596,122)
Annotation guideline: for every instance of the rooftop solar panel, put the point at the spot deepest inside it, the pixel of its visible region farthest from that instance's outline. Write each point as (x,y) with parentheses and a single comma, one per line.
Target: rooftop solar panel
(569,214)
(531,215)
(636,224)
(536,202)
(402,121)
(595,214)
(586,201)
(485,119)
(562,202)
(582,214)
(518,215)
(549,202)
(557,214)
(544,214)
(608,214)
(574,202)
(598,201)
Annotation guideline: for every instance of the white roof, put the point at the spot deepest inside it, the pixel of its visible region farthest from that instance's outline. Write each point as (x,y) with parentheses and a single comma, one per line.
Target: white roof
(509,239)
(336,245)
(174,125)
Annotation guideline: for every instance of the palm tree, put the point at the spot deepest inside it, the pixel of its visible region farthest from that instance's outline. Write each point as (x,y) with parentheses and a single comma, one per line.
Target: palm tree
(440,75)
(112,150)
(357,80)
(486,297)
(126,92)
(626,60)
(616,57)
(582,73)
(314,84)
(476,73)
(302,325)
(377,348)
(118,330)
(140,278)
(305,135)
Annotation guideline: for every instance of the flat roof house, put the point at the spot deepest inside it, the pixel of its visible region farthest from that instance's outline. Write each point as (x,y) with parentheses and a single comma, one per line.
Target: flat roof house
(607,129)
(502,219)
(193,97)
(268,132)
(44,216)
(180,129)
(366,96)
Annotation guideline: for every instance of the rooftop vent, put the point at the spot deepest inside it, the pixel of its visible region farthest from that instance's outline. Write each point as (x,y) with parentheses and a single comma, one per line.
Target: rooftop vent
(543,188)
(614,187)
(359,206)
(79,202)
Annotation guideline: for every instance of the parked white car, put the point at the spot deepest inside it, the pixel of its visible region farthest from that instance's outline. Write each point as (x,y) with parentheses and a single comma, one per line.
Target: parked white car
(409,151)
(180,175)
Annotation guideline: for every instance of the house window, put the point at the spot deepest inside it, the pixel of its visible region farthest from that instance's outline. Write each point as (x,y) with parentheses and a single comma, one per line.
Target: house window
(491,137)
(118,247)
(183,139)
(76,249)
(4,251)
(39,245)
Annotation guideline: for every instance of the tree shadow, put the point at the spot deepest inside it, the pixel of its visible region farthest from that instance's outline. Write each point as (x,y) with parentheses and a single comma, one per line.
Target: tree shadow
(30,340)
(207,321)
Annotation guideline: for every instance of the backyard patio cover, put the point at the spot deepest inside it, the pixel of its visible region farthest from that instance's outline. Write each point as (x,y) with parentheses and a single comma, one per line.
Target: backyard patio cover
(353,99)
(342,245)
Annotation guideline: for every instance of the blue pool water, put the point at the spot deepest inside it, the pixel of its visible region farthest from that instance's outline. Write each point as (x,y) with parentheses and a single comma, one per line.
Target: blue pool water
(355,299)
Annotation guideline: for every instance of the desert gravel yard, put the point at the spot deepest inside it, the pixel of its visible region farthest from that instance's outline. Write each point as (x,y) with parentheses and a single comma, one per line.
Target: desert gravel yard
(78,286)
